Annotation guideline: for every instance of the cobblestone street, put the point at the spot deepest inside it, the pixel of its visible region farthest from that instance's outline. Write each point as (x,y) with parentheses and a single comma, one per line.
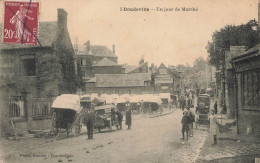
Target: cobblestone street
(150,140)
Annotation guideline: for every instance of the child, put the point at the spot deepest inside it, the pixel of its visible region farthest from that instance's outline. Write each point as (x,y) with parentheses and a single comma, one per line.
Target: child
(185,124)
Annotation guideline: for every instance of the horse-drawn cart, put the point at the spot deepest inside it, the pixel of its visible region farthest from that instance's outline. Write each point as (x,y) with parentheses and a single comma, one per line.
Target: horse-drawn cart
(67,114)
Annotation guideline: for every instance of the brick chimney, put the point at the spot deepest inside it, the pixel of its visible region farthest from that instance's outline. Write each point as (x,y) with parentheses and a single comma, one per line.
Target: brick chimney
(62,18)
(87,46)
(114,48)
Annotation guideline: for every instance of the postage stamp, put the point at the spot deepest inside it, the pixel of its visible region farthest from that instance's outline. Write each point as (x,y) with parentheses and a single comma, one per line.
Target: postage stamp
(20,22)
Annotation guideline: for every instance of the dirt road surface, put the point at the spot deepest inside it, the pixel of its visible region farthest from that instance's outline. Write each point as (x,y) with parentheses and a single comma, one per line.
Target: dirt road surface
(150,140)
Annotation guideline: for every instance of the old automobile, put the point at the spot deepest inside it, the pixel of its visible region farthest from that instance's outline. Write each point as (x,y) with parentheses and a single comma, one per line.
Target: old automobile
(104,117)
(203,108)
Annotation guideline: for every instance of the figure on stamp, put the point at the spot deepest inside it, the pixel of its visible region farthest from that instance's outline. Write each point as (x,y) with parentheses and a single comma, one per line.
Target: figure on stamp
(19,20)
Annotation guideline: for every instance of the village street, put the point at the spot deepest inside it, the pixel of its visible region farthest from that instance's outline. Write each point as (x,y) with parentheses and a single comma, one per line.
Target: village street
(150,140)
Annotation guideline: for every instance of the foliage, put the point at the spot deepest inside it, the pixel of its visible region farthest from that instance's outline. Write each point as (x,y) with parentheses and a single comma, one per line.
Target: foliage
(231,35)
(48,70)
(70,81)
(199,64)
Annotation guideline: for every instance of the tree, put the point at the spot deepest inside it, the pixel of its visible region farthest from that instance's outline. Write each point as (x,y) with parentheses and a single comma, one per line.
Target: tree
(199,64)
(231,35)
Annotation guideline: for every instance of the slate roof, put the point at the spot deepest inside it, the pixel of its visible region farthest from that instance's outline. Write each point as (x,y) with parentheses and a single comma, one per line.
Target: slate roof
(122,80)
(136,68)
(102,51)
(252,52)
(47,35)
(96,50)
(106,62)
(129,68)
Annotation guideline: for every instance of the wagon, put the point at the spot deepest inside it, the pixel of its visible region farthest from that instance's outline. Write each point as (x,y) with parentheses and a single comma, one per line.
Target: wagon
(67,114)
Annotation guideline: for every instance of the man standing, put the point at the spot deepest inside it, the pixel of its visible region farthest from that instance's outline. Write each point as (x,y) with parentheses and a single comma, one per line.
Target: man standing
(128,118)
(89,121)
(120,118)
(191,117)
(216,107)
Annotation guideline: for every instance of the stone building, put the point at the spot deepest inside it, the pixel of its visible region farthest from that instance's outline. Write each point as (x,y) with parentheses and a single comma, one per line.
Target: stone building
(90,55)
(107,66)
(247,90)
(133,83)
(23,101)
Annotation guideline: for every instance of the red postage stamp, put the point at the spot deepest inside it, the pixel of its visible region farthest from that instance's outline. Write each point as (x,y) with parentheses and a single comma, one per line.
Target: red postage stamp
(20,22)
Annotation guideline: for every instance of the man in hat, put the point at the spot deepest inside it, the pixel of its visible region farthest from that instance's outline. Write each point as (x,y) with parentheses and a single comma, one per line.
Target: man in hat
(185,124)
(191,117)
(214,126)
(128,117)
(89,121)
(119,118)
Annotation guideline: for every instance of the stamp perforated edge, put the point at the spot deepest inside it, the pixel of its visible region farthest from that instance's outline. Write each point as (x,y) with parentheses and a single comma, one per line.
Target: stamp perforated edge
(2,23)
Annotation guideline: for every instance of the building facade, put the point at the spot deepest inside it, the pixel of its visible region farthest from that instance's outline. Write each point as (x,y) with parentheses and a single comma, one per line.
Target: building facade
(247,90)
(24,100)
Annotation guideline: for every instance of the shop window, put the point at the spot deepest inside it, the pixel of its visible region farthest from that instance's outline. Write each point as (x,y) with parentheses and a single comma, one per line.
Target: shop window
(250,88)
(28,66)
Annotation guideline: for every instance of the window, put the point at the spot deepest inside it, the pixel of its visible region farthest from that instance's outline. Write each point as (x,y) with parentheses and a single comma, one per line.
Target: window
(83,62)
(163,71)
(41,108)
(16,107)
(28,65)
(250,88)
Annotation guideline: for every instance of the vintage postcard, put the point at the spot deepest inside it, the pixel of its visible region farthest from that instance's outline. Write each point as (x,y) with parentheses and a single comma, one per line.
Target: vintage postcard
(160,81)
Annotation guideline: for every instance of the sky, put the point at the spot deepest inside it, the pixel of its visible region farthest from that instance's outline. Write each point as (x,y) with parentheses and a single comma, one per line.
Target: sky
(172,38)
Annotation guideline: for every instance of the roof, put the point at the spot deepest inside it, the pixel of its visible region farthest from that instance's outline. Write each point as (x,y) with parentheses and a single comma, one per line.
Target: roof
(252,52)
(129,68)
(122,80)
(93,80)
(47,35)
(101,50)
(136,70)
(106,62)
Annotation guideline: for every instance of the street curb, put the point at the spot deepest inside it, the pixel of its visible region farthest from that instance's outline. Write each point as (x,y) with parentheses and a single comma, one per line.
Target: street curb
(163,114)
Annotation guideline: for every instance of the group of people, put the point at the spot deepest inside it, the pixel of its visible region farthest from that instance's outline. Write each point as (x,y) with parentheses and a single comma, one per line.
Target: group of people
(89,120)
(185,102)
(187,123)
(189,118)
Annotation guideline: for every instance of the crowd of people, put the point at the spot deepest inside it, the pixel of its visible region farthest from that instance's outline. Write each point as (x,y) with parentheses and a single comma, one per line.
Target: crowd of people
(189,118)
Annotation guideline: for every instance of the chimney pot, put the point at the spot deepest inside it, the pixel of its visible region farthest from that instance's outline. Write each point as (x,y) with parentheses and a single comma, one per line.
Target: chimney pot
(114,48)
(87,45)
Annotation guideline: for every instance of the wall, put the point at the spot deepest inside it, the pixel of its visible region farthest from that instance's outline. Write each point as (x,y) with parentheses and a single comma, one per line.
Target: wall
(108,70)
